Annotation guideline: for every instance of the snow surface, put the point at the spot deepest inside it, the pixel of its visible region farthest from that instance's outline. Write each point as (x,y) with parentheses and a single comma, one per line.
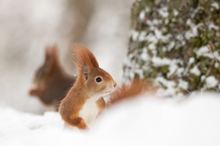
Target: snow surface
(147,121)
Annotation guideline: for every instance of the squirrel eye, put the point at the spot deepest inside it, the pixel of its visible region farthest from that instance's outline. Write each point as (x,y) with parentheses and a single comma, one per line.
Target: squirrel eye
(98,79)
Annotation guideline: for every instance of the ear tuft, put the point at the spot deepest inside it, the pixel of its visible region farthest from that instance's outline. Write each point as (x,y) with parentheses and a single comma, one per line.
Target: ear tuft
(84,57)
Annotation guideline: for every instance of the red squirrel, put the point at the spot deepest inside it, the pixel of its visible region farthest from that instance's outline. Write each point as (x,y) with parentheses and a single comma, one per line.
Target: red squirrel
(84,101)
(51,82)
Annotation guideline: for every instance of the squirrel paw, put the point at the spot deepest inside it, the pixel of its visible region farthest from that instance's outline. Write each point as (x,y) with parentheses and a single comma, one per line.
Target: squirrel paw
(80,123)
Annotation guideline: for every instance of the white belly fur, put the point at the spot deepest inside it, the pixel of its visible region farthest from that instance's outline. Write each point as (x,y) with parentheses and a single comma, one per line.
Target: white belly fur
(90,110)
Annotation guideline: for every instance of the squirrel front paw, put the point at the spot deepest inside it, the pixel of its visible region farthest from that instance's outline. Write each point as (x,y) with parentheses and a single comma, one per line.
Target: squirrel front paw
(80,123)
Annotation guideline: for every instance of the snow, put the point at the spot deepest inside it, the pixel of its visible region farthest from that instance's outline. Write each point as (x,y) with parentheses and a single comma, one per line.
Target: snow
(142,36)
(173,68)
(171,46)
(161,61)
(213,26)
(203,50)
(211,82)
(146,121)
(183,84)
(215,5)
(144,55)
(171,63)
(152,46)
(175,12)
(163,12)
(193,29)
(191,60)
(134,34)
(195,70)
(142,15)
(152,38)
(207,52)
(170,85)
(216,65)
(160,36)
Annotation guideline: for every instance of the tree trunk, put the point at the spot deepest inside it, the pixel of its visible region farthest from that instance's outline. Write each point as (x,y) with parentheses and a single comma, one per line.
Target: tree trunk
(176,44)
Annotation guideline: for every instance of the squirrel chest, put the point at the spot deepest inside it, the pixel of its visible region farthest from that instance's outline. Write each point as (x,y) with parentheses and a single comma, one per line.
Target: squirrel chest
(90,109)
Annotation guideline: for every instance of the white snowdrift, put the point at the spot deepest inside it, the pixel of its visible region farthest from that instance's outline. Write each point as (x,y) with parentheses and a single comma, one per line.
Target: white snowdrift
(151,121)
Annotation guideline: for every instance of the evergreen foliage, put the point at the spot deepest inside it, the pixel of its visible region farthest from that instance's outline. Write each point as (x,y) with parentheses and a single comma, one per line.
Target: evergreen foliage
(176,44)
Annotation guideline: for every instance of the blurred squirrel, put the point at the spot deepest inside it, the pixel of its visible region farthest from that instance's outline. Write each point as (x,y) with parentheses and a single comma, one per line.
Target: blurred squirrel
(84,101)
(51,82)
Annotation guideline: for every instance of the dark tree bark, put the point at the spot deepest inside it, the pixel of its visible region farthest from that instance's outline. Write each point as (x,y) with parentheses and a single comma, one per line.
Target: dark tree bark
(176,44)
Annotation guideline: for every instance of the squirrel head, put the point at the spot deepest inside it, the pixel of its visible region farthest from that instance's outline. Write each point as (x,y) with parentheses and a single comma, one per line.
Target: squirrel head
(90,75)
(98,81)
(45,72)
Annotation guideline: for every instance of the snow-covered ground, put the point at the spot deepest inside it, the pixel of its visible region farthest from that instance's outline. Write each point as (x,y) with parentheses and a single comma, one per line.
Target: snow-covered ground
(146,121)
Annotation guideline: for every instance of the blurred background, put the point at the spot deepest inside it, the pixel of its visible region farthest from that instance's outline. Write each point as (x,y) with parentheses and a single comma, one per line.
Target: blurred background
(28,26)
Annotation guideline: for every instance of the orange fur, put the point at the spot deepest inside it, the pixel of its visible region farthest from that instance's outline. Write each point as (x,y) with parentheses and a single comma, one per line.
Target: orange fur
(129,91)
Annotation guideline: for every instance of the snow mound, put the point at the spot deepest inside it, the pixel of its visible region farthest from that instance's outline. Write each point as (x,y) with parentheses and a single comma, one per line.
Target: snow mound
(145,121)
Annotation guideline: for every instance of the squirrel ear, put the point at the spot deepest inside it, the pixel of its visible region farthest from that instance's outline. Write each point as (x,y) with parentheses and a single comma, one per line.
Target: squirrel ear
(84,56)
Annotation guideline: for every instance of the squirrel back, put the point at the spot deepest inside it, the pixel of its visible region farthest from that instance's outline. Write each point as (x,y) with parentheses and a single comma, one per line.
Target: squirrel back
(50,81)
(85,100)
